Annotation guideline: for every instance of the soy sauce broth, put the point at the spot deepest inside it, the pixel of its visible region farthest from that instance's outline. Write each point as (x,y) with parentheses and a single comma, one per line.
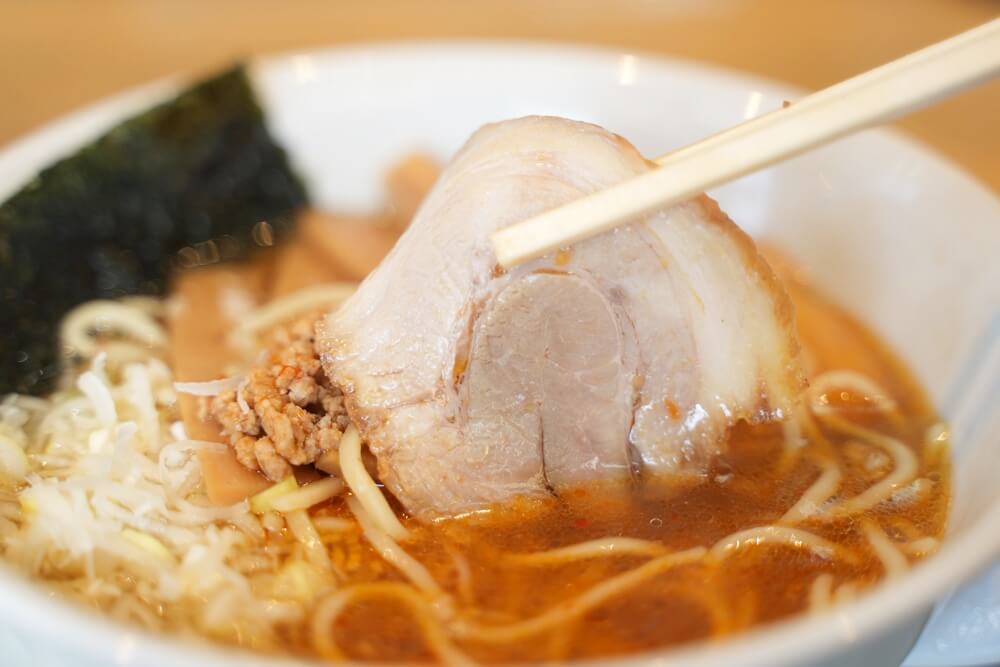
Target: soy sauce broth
(751,485)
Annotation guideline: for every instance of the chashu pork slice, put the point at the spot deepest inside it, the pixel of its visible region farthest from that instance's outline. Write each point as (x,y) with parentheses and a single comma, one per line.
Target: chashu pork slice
(629,355)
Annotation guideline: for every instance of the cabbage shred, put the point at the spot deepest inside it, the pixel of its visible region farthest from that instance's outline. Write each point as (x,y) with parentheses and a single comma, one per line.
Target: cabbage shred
(101,495)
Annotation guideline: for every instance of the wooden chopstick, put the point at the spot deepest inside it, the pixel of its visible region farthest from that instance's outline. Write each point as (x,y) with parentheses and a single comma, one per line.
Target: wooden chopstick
(878,95)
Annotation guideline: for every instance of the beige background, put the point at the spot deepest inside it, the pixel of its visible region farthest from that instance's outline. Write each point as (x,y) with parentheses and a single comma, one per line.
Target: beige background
(55,56)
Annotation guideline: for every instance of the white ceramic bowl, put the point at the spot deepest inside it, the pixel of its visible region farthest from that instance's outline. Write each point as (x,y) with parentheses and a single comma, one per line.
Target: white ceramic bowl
(904,239)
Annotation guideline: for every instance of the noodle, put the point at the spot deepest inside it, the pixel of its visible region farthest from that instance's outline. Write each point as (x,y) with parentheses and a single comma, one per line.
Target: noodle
(579,605)
(98,316)
(777,535)
(904,528)
(395,555)
(363,487)
(904,471)
(287,307)
(111,502)
(561,640)
(892,485)
(921,546)
(607,546)
(913,492)
(305,533)
(791,430)
(815,434)
(936,444)
(210,387)
(936,434)
(855,382)
(797,430)
(818,493)
(333,524)
(331,607)
(821,592)
(463,574)
(893,560)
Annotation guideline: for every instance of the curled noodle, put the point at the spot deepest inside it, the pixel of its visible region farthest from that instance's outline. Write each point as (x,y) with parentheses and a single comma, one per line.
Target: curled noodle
(852,381)
(904,470)
(331,607)
(578,605)
(129,319)
(776,535)
(396,555)
(819,492)
(120,490)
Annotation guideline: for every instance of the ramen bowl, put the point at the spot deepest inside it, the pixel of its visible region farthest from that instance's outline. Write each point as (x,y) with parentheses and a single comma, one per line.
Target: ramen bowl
(901,238)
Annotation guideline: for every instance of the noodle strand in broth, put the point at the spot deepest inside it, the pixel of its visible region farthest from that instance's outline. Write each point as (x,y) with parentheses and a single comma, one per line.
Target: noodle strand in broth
(110,507)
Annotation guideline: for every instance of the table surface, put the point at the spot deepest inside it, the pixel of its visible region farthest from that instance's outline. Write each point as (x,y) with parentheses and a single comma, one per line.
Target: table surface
(57,55)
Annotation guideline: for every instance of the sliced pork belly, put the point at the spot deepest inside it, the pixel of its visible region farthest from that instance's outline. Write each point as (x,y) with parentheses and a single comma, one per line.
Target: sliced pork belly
(629,355)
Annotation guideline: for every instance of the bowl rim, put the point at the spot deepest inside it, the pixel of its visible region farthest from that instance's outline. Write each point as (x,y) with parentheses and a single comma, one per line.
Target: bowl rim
(27,604)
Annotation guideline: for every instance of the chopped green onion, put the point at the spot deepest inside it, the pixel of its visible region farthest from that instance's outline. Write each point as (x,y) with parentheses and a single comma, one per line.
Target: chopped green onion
(148,543)
(262,502)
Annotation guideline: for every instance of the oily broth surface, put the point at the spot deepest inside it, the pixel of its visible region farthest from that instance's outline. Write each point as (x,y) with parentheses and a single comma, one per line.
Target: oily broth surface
(470,557)
(749,486)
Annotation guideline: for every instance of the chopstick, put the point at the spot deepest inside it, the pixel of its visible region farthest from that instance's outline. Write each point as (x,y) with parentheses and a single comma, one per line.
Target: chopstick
(892,90)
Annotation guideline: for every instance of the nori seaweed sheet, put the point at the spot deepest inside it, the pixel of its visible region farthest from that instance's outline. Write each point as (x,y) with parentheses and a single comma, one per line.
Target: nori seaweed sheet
(187,180)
